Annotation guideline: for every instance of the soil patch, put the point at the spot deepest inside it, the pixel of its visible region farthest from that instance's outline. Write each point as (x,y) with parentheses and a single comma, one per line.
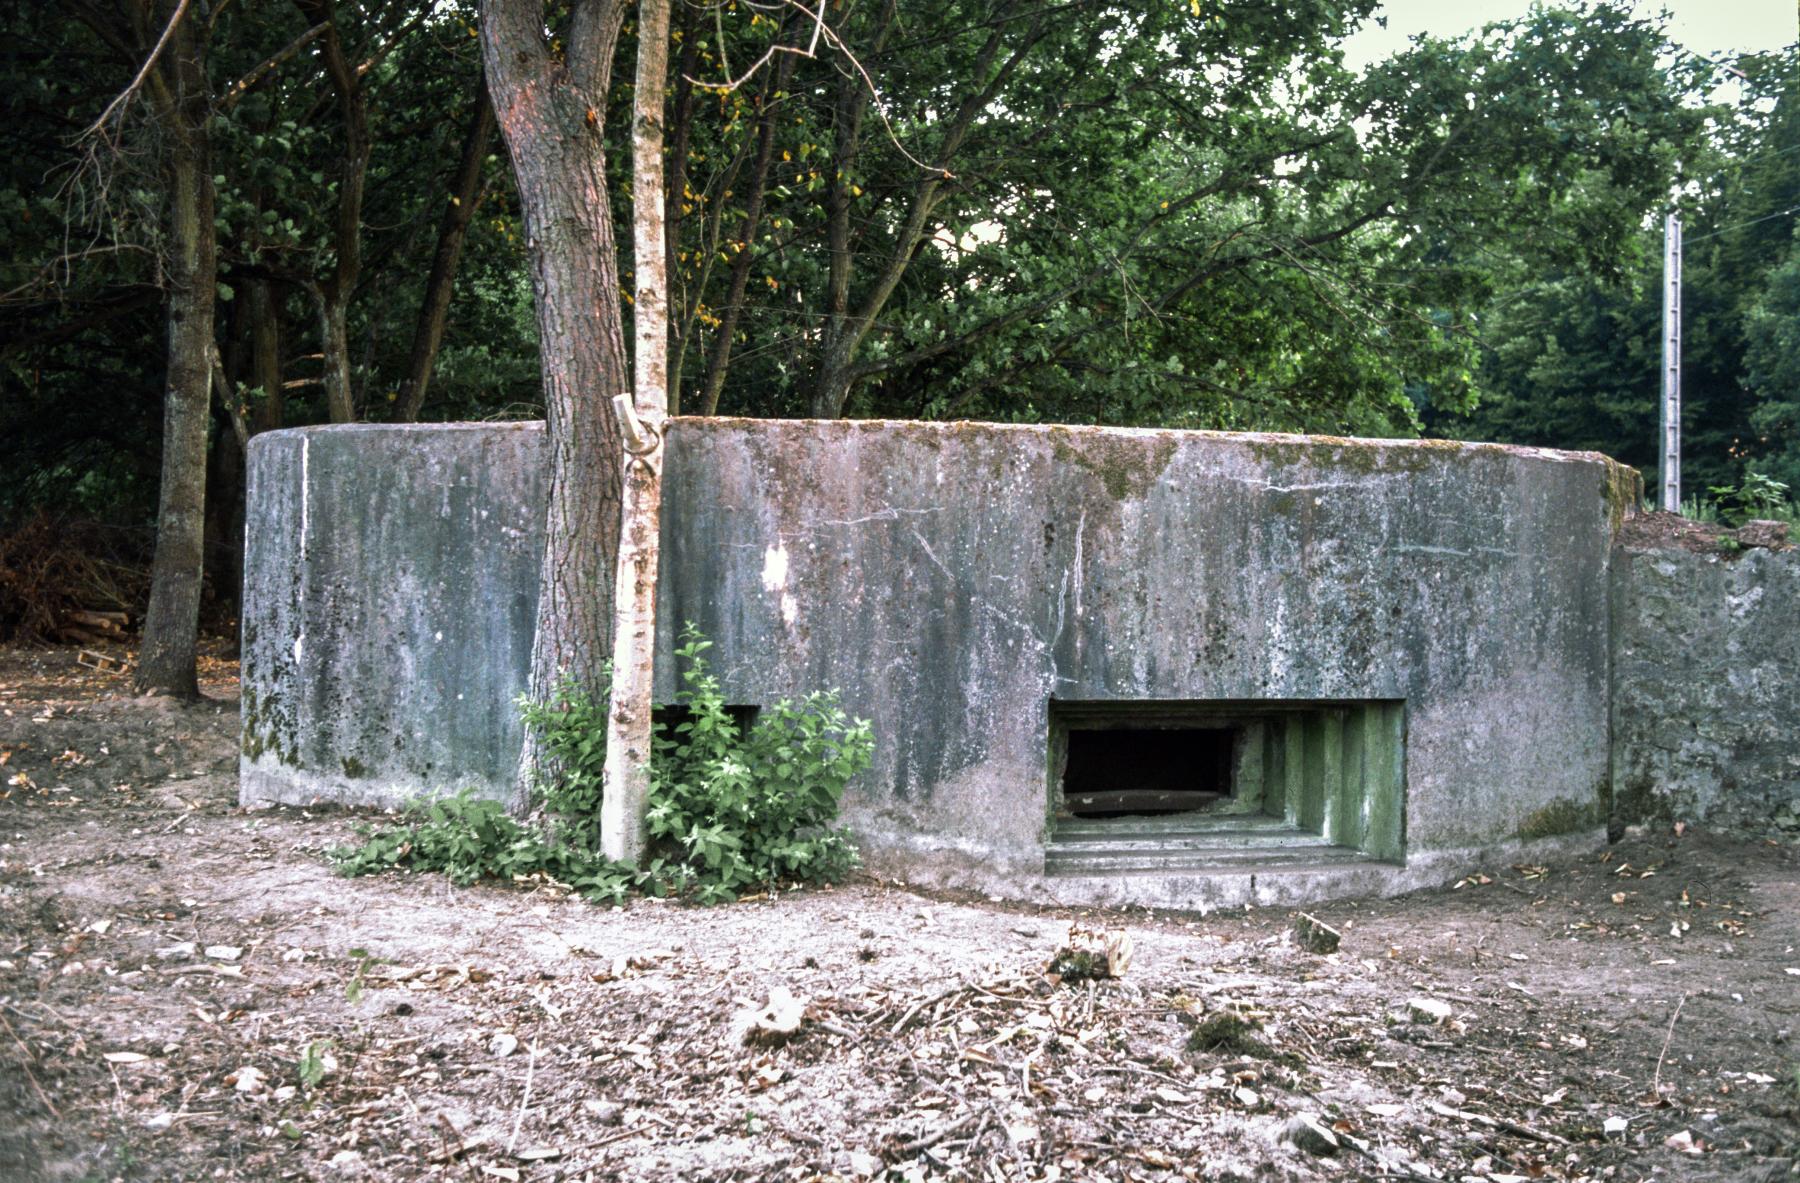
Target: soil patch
(1659,529)
(189,992)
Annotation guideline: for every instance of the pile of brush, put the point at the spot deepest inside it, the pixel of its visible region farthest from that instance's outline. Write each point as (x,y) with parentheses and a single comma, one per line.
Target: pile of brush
(64,581)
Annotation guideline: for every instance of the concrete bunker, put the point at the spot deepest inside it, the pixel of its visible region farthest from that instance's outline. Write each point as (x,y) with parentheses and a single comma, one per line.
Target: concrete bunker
(1371,662)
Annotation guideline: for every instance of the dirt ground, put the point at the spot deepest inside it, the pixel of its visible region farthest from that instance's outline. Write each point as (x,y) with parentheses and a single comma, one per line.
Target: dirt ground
(188,992)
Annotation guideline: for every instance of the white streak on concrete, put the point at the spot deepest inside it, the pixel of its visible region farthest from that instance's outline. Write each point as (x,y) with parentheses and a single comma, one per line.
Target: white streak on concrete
(775,568)
(305,526)
(1414,548)
(1080,528)
(890,514)
(932,555)
(305,489)
(1030,632)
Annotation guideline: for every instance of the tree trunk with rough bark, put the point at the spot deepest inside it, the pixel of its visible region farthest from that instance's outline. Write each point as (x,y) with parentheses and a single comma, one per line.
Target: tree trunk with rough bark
(181,98)
(551,110)
(622,812)
(268,411)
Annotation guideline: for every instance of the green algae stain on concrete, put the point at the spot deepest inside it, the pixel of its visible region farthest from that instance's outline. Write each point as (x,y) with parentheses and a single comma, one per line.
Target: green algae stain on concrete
(1127,465)
(1560,817)
(1356,457)
(1622,489)
(261,733)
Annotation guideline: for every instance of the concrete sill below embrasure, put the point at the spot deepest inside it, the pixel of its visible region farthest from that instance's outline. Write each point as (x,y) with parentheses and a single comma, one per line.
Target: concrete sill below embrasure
(1230,879)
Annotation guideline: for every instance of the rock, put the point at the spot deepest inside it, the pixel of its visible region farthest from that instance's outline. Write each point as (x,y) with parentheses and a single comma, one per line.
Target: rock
(1092,955)
(347,1162)
(224,952)
(1684,1142)
(1022,1132)
(1428,1010)
(504,1044)
(864,1166)
(1771,535)
(776,1023)
(604,1112)
(1307,1132)
(176,951)
(1315,936)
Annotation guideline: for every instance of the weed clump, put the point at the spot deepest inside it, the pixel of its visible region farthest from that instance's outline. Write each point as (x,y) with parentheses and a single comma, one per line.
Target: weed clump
(1233,1035)
(732,807)
(1071,966)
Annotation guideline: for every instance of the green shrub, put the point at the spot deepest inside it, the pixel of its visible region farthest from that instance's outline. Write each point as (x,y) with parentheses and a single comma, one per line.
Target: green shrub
(729,810)
(469,838)
(1758,496)
(572,729)
(736,810)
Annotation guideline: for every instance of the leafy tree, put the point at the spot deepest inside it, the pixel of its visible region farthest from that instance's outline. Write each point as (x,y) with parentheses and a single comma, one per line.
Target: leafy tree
(1189,215)
(1772,371)
(84,288)
(1573,359)
(550,83)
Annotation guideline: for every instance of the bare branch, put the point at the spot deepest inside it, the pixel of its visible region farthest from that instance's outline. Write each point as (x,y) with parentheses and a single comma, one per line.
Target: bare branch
(241,87)
(823,31)
(124,97)
(380,54)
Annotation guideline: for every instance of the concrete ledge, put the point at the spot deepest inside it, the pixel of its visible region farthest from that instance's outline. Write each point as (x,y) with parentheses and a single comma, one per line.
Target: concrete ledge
(922,864)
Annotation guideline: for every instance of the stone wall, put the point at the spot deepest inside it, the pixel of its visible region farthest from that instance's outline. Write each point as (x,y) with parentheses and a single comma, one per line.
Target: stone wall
(1706,701)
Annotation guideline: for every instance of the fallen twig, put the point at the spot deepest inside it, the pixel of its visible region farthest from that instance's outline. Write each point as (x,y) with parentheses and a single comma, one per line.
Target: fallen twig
(29,1074)
(1656,1081)
(1500,1123)
(920,1005)
(524,1099)
(926,1141)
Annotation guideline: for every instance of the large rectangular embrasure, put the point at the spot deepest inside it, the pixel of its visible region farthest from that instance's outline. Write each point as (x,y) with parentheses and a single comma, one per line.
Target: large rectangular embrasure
(1328,773)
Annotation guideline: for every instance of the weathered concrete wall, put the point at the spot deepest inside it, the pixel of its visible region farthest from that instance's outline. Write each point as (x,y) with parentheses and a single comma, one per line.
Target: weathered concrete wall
(1706,706)
(390,593)
(952,579)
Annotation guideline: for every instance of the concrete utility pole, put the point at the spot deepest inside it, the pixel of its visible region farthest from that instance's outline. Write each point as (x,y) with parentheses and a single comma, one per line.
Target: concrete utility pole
(1671,365)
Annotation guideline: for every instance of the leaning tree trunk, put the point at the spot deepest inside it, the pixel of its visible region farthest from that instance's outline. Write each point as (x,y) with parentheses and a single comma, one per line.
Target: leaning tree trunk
(167,659)
(171,625)
(550,110)
(622,811)
(333,294)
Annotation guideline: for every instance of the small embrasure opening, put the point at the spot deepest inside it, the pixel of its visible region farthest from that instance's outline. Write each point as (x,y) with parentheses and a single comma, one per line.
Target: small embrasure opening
(672,715)
(1146,771)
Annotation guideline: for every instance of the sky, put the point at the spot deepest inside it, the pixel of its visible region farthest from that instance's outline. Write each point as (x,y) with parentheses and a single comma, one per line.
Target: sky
(1708,27)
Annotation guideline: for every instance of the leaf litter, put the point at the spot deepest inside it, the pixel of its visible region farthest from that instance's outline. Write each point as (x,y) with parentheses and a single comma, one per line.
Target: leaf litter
(186,991)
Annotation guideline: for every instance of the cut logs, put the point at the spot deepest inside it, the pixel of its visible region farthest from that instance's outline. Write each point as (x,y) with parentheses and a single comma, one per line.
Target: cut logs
(90,626)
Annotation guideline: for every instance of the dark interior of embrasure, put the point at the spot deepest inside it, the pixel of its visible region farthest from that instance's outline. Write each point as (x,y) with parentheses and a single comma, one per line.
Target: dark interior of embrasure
(1146,771)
